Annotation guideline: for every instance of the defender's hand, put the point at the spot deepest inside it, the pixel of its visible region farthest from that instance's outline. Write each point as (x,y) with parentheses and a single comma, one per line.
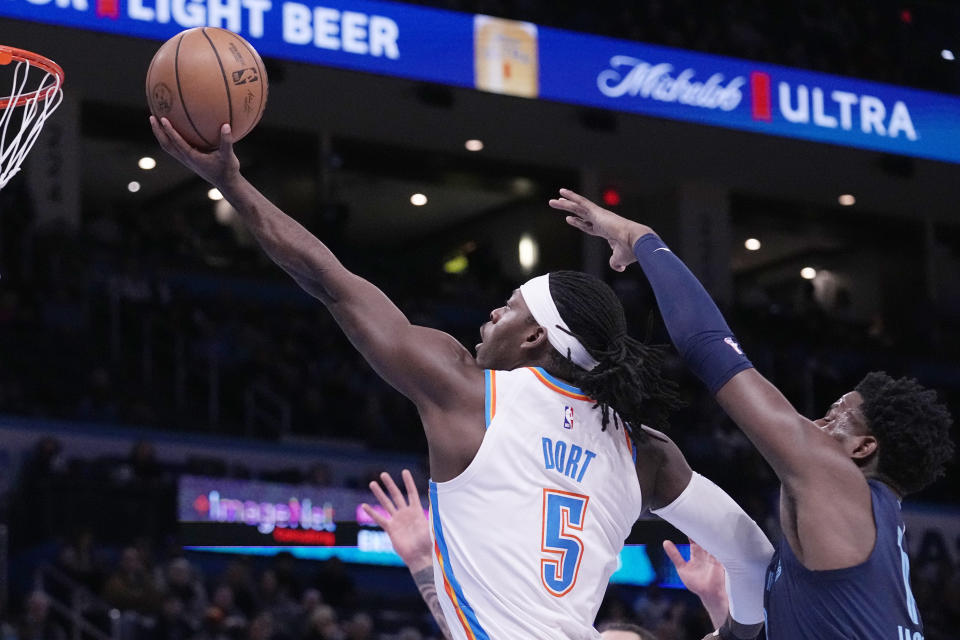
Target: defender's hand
(592,219)
(406,524)
(703,575)
(216,167)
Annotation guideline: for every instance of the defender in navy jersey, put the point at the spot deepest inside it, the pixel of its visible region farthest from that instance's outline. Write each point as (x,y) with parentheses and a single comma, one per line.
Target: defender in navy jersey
(841,571)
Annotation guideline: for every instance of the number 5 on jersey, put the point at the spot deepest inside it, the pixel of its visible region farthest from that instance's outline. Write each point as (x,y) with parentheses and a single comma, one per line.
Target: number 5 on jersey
(563,512)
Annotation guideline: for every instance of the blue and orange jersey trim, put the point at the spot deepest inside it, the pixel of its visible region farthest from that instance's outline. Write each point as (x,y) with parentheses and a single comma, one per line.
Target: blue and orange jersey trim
(465,614)
(632,448)
(490,394)
(558,385)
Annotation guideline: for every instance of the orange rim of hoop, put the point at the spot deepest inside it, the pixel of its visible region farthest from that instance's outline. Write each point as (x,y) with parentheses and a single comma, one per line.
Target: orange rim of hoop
(9,54)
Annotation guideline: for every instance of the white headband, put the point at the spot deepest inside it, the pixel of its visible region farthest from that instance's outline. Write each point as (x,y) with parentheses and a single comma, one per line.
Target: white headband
(536,293)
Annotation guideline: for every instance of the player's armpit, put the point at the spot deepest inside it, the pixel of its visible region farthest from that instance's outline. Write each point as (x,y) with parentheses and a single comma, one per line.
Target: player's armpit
(662,470)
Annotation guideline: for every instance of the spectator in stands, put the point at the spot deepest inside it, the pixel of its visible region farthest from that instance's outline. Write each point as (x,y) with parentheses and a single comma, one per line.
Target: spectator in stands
(242,589)
(183,584)
(310,600)
(262,627)
(323,624)
(131,587)
(143,462)
(223,614)
(44,460)
(276,599)
(82,560)
(36,623)
(359,627)
(173,623)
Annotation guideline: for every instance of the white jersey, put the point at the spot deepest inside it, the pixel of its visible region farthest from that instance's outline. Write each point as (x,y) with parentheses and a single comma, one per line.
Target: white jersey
(526,538)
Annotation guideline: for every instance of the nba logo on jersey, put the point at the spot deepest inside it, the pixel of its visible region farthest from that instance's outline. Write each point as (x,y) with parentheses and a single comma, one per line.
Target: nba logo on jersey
(568,417)
(733,345)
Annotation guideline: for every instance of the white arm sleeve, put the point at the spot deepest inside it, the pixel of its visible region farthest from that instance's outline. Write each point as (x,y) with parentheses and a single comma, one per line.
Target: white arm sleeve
(706,514)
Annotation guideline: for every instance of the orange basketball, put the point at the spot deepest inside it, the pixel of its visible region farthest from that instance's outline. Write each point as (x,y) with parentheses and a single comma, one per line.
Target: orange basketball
(204,77)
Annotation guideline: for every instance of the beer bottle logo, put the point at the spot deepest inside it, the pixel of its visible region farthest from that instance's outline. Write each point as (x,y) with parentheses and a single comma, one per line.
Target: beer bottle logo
(506,57)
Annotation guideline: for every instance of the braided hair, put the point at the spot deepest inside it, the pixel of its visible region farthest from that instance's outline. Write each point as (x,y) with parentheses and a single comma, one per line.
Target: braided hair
(911,428)
(628,378)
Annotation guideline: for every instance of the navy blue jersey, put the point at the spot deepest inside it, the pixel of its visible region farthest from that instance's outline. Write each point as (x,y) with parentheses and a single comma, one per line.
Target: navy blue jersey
(871,601)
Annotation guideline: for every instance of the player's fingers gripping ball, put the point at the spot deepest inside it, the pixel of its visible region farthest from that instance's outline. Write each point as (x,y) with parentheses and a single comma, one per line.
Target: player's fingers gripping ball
(204,77)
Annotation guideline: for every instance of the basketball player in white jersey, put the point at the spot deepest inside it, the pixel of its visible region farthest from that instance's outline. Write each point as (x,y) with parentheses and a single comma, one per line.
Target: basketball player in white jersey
(539,461)
(402,518)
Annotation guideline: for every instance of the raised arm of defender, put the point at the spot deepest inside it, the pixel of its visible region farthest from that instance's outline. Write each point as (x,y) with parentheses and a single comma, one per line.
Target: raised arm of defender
(831,497)
(427,366)
(764,414)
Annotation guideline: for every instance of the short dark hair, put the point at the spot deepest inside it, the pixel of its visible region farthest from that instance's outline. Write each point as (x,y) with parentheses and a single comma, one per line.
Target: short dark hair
(629,377)
(911,427)
(644,634)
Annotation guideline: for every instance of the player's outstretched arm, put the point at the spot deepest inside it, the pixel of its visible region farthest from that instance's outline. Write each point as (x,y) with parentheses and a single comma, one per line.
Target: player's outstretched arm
(423,364)
(701,336)
(833,522)
(410,535)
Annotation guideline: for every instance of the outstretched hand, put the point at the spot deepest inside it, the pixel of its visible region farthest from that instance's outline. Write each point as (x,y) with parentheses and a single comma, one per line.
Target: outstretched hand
(703,575)
(592,219)
(216,167)
(406,525)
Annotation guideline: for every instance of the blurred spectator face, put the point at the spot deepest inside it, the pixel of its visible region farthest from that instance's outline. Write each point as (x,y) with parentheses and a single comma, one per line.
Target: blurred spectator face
(130,561)
(262,627)
(38,605)
(360,627)
(323,620)
(172,608)
(311,598)
(268,582)
(409,633)
(178,572)
(223,597)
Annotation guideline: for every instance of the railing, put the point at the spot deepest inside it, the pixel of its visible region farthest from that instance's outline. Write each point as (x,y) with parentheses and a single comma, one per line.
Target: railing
(81,602)
(154,341)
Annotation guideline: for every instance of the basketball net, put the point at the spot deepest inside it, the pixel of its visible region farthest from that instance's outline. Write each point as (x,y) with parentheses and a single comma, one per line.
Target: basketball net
(26,109)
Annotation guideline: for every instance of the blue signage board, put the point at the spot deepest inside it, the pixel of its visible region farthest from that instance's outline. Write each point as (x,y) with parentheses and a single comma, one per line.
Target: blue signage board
(739,94)
(523,59)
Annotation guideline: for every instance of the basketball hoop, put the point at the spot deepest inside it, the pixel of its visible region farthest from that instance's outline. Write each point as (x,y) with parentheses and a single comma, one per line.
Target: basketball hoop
(33,98)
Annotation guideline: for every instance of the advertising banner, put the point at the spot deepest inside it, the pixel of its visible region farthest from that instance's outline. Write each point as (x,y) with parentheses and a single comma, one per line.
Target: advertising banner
(251,517)
(522,59)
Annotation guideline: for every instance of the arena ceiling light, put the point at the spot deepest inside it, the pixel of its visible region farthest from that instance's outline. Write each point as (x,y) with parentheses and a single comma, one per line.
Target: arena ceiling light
(473,145)
(528,252)
(947,54)
(808,273)
(146,163)
(214,194)
(752,244)
(847,200)
(133,186)
(418,199)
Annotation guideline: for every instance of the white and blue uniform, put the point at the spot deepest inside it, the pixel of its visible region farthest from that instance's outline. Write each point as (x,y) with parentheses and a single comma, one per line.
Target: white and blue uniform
(526,538)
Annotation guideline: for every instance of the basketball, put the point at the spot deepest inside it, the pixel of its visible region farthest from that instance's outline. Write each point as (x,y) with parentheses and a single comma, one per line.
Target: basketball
(204,77)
